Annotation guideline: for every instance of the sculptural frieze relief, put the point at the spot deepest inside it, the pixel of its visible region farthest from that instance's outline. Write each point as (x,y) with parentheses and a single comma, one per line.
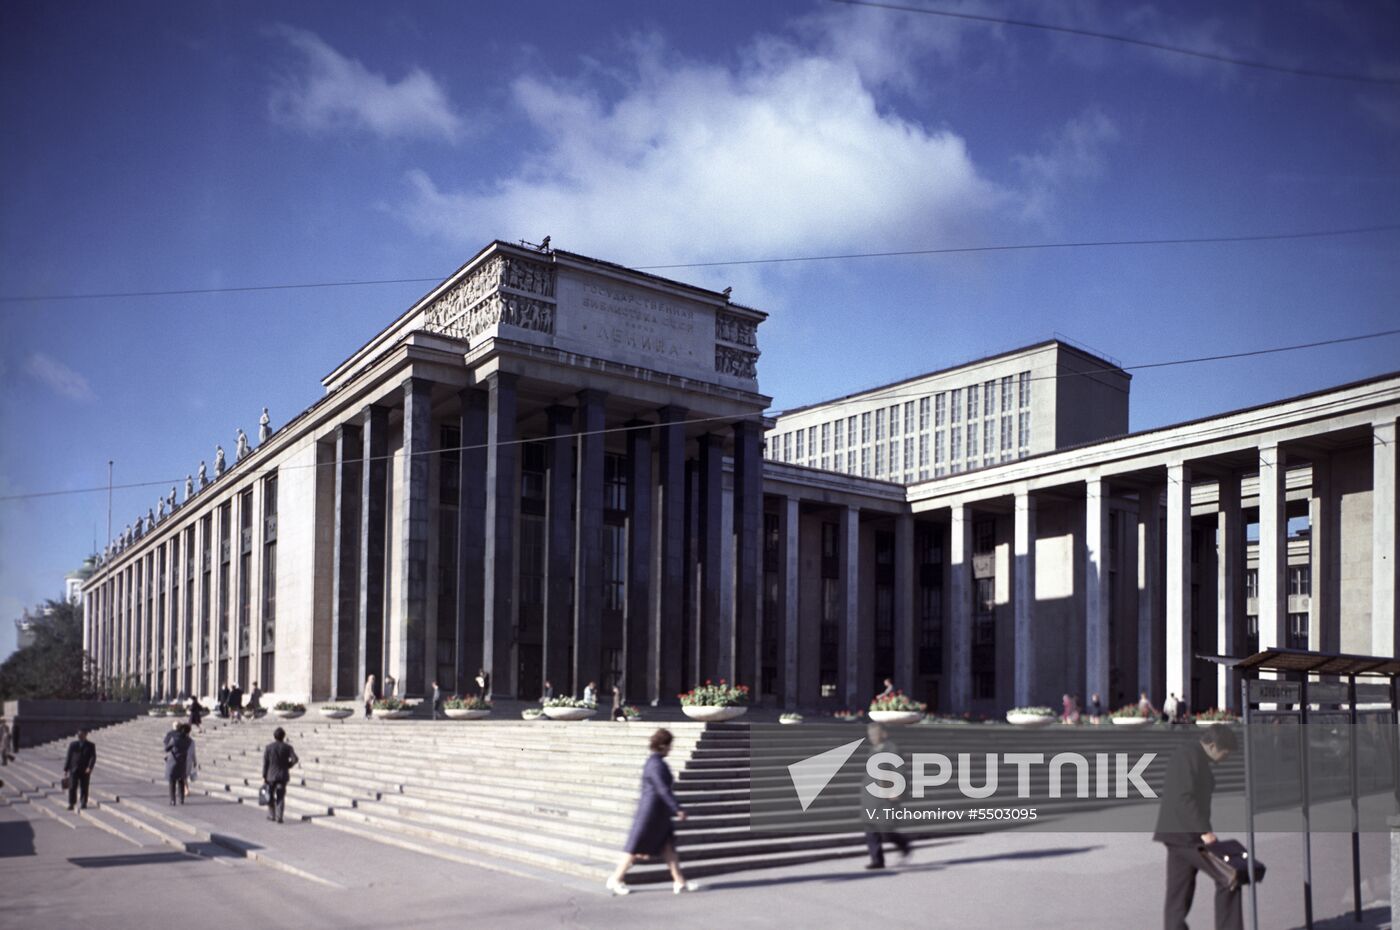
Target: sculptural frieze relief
(479,302)
(730,328)
(736,362)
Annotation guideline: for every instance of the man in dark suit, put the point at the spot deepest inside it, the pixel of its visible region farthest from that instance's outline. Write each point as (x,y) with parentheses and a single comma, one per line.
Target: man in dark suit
(78,766)
(1183,826)
(278,759)
(875,837)
(235,702)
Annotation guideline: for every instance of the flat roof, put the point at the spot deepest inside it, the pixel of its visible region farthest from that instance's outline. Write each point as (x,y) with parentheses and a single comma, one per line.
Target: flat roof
(1109,366)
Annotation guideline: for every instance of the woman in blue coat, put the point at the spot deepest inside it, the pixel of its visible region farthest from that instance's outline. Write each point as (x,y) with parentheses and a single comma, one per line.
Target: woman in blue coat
(652,833)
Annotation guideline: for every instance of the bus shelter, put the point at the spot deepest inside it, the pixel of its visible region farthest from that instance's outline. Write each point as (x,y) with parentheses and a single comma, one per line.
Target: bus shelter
(1356,695)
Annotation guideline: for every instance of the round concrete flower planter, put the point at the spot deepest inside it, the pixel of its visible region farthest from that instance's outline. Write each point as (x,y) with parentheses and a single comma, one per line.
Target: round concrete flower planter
(393,714)
(569,713)
(337,714)
(1131,721)
(287,714)
(1029,721)
(713,714)
(462,713)
(895,717)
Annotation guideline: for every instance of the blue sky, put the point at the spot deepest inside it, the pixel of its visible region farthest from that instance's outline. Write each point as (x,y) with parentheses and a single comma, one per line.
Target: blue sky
(153,146)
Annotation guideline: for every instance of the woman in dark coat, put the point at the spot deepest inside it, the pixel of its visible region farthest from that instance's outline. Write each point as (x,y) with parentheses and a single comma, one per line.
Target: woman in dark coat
(652,833)
(196,713)
(179,761)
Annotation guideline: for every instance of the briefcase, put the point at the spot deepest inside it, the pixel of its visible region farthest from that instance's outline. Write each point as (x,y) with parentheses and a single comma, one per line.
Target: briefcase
(265,795)
(1227,861)
(65,781)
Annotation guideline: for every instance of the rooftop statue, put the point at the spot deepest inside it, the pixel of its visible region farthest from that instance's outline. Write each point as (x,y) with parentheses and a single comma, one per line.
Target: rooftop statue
(264,427)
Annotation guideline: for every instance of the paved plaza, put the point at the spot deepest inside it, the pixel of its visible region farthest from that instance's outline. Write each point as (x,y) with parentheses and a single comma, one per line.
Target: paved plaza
(62,869)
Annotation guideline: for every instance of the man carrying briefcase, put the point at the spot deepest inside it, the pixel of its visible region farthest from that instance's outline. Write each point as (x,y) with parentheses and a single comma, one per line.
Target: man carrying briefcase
(1183,827)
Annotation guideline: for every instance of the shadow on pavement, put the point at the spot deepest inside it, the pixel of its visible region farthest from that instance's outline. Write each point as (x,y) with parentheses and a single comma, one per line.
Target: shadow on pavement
(1372,918)
(857,872)
(107,862)
(16,838)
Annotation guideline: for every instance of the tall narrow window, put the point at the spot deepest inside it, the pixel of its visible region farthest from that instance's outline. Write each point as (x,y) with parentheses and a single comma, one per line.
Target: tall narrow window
(923,412)
(269,584)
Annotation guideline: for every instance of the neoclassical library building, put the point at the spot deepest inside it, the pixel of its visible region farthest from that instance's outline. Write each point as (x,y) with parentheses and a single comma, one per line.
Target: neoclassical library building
(553,468)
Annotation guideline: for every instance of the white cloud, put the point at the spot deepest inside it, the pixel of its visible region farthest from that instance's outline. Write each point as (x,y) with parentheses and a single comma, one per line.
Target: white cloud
(58,377)
(1075,153)
(786,153)
(331,91)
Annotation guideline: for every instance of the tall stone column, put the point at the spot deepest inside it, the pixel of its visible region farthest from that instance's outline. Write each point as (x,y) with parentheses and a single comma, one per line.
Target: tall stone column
(1151,620)
(669,601)
(1098,615)
(1273,547)
(905,641)
(1324,628)
(711,551)
(588,541)
(374,492)
(748,550)
(345,555)
(636,623)
(471,539)
(502,502)
(792,525)
(1023,596)
(1229,588)
(1385,567)
(857,659)
(412,556)
(559,553)
(960,608)
(1178,646)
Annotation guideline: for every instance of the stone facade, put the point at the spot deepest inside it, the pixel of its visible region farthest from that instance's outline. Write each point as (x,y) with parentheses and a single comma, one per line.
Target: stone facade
(553,469)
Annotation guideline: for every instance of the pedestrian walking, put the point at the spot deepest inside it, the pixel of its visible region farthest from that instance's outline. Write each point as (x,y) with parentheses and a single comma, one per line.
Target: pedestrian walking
(1183,827)
(1095,709)
(179,762)
(5,756)
(196,713)
(652,832)
(590,693)
(1145,707)
(369,696)
(278,759)
(875,837)
(1171,708)
(77,769)
(235,701)
(617,712)
(254,704)
(223,700)
(548,691)
(437,700)
(483,681)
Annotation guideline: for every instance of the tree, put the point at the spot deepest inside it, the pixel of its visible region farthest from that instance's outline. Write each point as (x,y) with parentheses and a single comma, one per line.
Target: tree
(54,665)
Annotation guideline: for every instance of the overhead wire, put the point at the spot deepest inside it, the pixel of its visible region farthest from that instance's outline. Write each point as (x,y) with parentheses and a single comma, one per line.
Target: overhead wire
(864,397)
(775,260)
(1349,76)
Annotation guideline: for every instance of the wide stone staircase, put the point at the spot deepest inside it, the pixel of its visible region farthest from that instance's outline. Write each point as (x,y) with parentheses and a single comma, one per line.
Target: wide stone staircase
(537,794)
